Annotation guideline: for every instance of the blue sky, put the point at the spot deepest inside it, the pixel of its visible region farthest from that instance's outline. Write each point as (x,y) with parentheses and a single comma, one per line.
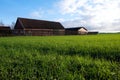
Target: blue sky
(96,15)
(11,9)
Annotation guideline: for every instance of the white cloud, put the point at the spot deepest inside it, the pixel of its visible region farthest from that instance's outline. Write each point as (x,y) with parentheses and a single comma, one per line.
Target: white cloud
(95,14)
(37,13)
(70,6)
(60,20)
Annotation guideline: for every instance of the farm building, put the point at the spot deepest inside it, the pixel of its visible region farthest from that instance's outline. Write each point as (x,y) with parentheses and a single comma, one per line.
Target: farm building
(5,31)
(92,32)
(35,27)
(76,31)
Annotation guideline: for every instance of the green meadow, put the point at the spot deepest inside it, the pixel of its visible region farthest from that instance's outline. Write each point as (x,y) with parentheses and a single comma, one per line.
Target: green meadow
(81,57)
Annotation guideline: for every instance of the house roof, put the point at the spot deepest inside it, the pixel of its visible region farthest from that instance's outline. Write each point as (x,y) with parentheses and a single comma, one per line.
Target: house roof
(37,24)
(75,28)
(4,28)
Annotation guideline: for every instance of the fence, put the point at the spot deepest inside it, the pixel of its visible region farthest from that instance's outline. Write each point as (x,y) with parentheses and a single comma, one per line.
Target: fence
(5,32)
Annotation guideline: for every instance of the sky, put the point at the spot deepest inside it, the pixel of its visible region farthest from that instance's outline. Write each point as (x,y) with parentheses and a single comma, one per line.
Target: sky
(95,15)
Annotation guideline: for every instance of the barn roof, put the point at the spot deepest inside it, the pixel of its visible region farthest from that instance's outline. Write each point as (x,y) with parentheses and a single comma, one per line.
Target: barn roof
(4,28)
(37,24)
(75,28)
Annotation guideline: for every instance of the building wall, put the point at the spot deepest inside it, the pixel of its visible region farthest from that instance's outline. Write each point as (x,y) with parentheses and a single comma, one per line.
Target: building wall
(59,32)
(69,32)
(39,32)
(82,31)
(76,32)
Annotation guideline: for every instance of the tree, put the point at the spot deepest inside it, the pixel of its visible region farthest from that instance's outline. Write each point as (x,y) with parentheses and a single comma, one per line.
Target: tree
(12,25)
(1,23)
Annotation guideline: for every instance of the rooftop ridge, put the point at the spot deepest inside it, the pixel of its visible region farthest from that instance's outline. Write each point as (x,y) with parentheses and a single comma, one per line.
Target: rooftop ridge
(36,19)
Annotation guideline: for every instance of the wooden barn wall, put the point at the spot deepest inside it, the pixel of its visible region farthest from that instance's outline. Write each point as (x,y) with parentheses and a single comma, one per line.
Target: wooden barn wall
(39,32)
(69,32)
(59,32)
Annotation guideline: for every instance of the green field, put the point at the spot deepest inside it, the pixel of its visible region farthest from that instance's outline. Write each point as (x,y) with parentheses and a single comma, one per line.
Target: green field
(85,57)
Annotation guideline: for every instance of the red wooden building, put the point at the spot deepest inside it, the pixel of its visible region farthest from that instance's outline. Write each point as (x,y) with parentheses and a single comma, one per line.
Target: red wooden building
(35,27)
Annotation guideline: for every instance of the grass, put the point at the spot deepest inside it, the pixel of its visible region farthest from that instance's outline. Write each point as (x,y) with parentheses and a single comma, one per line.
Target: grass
(88,57)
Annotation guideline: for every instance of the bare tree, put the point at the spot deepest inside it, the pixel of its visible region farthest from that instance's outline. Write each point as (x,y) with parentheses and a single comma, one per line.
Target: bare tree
(12,25)
(1,23)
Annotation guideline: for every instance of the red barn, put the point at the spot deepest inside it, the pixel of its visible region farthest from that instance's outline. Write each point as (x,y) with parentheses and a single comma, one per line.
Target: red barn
(35,27)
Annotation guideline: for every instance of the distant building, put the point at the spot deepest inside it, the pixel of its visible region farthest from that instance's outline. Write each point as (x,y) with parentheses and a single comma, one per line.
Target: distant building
(93,32)
(76,31)
(35,27)
(5,31)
